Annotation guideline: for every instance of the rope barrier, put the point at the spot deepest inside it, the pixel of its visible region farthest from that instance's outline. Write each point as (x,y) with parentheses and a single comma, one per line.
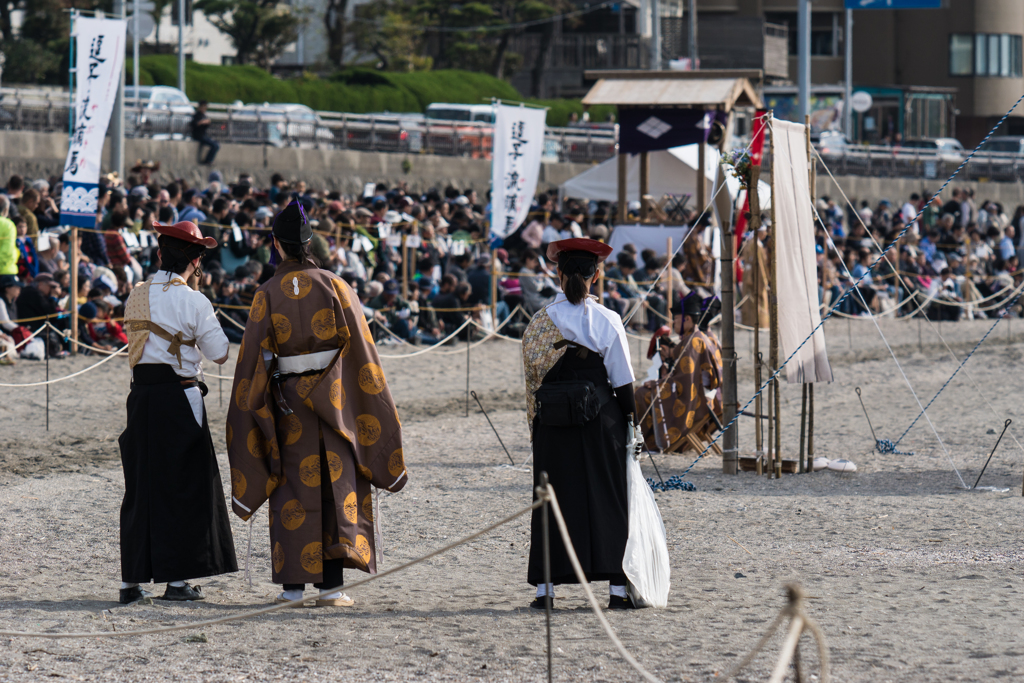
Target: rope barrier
(775,374)
(429,348)
(280,606)
(799,622)
(24,341)
(71,376)
(946,384)
(585,584)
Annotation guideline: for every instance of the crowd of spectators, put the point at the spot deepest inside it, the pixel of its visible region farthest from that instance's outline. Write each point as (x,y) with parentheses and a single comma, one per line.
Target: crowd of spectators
(958,258)
(421,264)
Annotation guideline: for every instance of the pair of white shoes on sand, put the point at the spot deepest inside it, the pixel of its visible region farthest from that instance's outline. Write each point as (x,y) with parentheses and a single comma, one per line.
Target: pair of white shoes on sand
(336,599)
(841,465)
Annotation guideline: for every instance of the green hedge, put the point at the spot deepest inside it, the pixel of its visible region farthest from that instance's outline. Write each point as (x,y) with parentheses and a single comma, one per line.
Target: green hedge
(351,90)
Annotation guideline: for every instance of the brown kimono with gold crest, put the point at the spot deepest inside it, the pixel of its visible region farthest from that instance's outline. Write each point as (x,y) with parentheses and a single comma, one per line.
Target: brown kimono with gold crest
(680,402)
(316,466)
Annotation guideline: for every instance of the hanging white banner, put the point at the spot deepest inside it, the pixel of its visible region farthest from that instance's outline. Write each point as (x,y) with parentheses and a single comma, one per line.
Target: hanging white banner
(515,166)
(98,67)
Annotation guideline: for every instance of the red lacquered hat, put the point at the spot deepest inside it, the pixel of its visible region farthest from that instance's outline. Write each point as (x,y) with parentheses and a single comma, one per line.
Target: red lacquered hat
(662,331)
(598,249)
(186,231)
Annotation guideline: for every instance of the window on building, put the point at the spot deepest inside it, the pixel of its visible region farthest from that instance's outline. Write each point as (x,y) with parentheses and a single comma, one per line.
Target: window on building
(985,54)
(826,32)
(961,52)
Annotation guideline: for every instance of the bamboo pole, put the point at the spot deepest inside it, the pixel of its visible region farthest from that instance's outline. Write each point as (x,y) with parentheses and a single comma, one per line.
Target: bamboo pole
(494,290)
(668,289)
(773,308)
(645,174)
(623,201)
(405,267)
(755,224)
(73,296)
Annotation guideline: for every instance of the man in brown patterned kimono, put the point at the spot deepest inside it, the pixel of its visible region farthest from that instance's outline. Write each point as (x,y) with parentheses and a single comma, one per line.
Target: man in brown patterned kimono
(687,388)
(312,424)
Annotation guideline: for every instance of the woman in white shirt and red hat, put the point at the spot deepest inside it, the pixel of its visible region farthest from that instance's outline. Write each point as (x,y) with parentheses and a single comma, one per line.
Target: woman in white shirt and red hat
(174,522)
(575,353)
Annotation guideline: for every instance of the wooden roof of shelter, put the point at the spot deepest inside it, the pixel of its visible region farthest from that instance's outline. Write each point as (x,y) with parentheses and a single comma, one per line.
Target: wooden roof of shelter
(725,88)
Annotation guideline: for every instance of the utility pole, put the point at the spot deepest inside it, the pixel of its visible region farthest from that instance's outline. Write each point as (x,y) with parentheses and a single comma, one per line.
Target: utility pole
(117,116)
(848,86)
(803,42)
(655,36)
(693,34)
(181,45)
(135,50)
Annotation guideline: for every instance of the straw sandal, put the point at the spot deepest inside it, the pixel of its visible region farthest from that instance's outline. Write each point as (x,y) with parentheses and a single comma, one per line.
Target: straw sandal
(343,601)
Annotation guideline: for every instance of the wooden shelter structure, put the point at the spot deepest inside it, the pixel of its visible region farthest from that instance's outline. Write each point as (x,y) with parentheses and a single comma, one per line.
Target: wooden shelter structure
(716,90)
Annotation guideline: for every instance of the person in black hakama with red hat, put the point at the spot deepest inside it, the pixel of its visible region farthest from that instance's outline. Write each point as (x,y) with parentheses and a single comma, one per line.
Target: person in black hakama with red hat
(174,521)
(576,340)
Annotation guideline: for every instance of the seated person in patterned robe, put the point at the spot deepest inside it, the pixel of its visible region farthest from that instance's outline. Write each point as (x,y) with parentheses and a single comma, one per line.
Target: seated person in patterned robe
(687,388)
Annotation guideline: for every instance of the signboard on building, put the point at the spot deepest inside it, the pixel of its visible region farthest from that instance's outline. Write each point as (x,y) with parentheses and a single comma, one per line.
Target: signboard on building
(893,4)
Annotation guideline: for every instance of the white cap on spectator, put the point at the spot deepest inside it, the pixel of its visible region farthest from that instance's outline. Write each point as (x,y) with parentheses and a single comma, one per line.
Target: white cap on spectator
(462,200)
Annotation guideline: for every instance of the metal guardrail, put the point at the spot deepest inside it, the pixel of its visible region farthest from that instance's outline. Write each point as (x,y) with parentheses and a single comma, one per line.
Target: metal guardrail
(47,111)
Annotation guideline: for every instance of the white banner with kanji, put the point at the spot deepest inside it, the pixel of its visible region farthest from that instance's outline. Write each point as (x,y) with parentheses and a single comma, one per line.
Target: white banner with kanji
(515,166)
(98,66)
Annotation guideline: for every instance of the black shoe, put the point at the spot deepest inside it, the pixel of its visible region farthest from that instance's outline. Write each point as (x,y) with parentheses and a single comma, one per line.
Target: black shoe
(615,602)
(134,594)
(183,593)
(541,604)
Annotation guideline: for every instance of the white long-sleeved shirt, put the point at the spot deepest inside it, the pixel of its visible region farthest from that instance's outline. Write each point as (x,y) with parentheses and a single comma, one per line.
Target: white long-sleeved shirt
(590,324)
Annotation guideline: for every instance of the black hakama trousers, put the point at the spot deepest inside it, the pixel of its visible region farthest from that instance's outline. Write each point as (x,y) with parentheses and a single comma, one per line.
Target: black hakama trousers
(174,521)
(587,469)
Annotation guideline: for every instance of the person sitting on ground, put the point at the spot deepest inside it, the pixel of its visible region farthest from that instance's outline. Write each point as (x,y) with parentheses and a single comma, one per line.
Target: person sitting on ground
(395,309)
(538,290)
(689,375)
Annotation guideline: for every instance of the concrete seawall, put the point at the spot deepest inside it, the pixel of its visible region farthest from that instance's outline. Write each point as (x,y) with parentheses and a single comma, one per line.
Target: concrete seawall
(37,155)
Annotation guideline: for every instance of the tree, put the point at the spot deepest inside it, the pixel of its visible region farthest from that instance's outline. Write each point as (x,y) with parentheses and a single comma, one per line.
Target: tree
(260,30)
(157,12)
(38,51)
(388,33)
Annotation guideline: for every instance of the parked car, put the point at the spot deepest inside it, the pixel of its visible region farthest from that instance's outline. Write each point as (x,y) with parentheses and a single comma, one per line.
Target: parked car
(280,125)
(831,143)
(481,113)
(1004,144)
(946,149)
(157,111)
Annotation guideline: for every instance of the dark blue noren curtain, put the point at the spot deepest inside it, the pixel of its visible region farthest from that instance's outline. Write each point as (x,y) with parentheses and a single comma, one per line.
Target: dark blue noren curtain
(645,129)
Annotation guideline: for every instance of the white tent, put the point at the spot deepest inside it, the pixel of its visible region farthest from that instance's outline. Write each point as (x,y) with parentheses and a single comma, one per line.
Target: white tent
(673,171)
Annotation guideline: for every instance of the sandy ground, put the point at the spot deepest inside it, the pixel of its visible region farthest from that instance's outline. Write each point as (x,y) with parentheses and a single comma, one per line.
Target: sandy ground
(911,577)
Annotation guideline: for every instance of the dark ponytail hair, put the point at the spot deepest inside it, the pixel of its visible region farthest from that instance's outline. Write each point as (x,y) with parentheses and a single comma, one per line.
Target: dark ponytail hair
(577,267)
(302,253)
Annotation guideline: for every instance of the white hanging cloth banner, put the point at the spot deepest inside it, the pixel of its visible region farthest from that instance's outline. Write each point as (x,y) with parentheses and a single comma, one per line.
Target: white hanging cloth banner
(795,256)
(515,165)
(99,64)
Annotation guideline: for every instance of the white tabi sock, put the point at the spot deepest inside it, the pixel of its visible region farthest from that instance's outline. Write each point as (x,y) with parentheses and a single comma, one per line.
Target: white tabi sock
(332,596)
(128,585)
(617,591)
(545,589)
(292,595)
(176,584)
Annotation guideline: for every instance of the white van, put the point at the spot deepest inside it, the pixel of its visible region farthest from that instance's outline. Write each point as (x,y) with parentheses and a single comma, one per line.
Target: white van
(480,113)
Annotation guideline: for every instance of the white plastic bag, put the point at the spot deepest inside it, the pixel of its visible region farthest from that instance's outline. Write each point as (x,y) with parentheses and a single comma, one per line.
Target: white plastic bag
(34,350)
(645,562)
